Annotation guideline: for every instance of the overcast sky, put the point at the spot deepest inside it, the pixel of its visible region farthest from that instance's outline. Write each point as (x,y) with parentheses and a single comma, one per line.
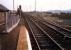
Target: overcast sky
(41,5)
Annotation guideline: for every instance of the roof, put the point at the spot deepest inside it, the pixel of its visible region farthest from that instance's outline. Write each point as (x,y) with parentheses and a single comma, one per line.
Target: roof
(3,8)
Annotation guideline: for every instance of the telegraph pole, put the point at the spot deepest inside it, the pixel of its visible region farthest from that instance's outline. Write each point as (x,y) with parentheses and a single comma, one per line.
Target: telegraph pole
(13,4)
(35,5)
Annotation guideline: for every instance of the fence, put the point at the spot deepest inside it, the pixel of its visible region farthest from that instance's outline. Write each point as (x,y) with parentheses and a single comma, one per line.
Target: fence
(12,21)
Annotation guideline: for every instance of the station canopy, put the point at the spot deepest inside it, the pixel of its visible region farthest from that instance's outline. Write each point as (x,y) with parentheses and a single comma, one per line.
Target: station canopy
(3,8)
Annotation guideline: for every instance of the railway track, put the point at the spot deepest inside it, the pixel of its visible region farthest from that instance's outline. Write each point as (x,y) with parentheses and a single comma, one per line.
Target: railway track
(58,28)
(62,39)
(39,39)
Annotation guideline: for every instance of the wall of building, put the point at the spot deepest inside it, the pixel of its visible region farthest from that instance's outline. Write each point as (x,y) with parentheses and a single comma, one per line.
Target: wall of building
(2,17)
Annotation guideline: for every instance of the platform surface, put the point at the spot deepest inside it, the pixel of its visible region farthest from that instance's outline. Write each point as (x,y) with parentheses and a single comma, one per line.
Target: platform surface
(23,41)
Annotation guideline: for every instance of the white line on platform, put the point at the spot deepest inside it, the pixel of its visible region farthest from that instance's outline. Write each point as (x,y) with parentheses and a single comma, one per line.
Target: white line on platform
(28,40)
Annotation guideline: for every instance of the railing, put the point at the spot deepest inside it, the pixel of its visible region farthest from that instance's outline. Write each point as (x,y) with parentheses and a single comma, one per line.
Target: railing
(12,21)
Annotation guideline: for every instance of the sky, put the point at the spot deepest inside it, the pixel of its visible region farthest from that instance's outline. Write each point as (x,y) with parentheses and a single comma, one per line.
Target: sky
(41,5)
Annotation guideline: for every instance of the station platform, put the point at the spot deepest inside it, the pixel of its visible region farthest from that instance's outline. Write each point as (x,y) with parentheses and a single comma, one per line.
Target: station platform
(23,41)
(17,39)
